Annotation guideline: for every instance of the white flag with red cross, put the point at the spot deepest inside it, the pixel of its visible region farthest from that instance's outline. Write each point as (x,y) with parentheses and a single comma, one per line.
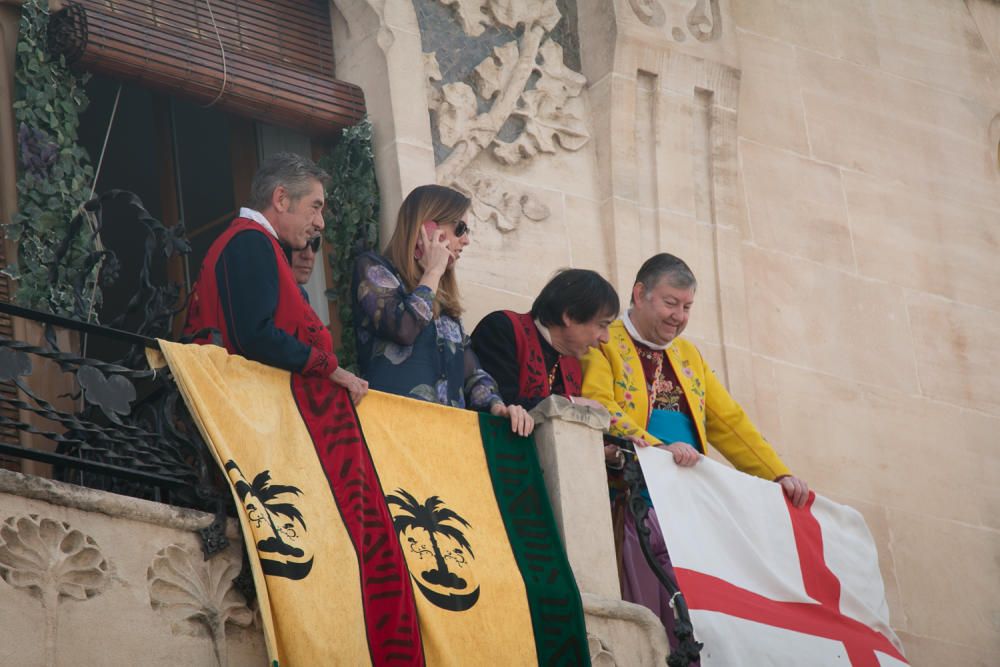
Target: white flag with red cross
(768,583)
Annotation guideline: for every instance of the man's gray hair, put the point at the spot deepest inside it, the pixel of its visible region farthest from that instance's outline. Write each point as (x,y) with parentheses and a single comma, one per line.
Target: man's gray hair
(665,266)
(293,171)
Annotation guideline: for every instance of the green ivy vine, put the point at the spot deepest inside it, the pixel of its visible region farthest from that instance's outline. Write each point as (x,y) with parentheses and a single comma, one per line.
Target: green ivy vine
(56,260)
(351,214)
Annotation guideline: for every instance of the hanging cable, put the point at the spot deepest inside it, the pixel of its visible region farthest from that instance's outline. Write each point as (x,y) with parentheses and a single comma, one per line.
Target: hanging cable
(104,146)
(90,216)
(222,50)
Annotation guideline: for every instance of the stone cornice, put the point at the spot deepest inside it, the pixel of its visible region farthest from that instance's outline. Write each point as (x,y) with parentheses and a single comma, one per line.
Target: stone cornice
(110,504)
(560,407)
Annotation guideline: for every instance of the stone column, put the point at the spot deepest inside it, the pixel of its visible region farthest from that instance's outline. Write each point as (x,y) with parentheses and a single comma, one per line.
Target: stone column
(377,46)
(664,89)
(571,453)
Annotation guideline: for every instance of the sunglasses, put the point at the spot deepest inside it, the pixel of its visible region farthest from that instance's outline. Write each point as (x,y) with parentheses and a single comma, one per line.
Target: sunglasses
(314,243)
(461,229)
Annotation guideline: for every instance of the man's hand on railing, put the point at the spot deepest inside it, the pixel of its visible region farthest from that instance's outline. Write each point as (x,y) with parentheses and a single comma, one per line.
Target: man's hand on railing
(354,385)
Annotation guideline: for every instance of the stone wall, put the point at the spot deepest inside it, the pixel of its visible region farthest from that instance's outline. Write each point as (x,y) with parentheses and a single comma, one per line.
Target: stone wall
(871,272)
(830,169)
(92,578)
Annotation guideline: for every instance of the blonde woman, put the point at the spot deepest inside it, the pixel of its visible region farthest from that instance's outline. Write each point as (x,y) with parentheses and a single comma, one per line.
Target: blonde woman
(408,315)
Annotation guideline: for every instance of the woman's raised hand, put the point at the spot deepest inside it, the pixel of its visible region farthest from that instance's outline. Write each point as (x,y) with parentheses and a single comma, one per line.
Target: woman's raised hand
(436,253)
(520,421)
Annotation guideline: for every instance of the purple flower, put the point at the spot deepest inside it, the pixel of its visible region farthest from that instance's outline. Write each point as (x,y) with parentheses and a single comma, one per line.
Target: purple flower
(481,395)
(421,307)
(381,277)
(38,152)
(441,388)
(397,354)
(449,329)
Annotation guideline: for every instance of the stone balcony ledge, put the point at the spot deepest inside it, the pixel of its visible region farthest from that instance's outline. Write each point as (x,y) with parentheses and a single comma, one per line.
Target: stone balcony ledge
(133,537)
(112,505)
(561,408)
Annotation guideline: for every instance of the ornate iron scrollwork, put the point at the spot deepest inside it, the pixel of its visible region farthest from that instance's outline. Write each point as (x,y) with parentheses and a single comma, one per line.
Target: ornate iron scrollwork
(688,650)
(129,431)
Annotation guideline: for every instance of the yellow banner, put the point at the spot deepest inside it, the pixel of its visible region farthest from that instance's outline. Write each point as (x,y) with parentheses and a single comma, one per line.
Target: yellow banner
(431,464)
(471,599)
(311,604)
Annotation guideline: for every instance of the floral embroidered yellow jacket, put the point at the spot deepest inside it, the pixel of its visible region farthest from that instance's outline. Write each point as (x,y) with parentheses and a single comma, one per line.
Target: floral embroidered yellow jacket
(613,376)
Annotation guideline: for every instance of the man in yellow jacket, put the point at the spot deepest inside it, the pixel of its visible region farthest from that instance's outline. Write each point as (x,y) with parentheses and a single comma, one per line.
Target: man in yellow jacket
(660,391)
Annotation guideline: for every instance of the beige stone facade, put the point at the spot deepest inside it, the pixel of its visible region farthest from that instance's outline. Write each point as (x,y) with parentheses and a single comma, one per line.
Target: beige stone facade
(831,171)
(92,578)
(871,277)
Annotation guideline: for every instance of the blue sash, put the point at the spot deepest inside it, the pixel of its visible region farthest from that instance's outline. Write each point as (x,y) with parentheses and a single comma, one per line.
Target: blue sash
(671,426)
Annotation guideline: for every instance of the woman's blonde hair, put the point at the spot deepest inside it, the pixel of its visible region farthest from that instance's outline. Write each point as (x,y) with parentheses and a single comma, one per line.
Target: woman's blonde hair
(443,206)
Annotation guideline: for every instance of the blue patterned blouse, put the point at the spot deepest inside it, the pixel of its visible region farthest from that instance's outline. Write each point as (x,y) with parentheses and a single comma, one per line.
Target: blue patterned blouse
(403,349)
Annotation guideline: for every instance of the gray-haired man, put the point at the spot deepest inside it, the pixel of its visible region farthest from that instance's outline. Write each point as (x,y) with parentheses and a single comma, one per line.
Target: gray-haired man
(247,289)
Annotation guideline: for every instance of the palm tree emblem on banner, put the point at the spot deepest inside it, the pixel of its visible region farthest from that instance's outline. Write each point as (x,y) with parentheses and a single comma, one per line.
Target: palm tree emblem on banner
(275,521)
(435,545)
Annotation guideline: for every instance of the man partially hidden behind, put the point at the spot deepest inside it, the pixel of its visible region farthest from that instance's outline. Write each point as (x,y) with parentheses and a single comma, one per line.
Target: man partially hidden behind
(303,261)
(661,392)
(536,354)
(246,288)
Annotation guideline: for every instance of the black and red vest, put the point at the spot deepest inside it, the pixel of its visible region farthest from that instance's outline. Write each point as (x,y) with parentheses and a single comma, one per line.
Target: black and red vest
(292,315)
(533,376)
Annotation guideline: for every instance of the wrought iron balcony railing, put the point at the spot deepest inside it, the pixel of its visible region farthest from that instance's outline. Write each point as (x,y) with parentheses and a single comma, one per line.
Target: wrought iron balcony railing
(128,432)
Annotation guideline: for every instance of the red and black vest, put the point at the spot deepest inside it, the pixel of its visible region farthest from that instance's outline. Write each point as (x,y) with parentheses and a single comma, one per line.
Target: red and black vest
(533,376)
(292,315)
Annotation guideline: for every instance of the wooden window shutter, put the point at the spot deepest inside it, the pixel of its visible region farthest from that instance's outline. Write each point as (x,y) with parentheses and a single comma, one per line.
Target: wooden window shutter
(278,55)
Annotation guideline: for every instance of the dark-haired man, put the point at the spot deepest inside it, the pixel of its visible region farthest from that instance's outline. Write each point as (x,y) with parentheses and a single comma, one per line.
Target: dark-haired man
(536,354)
(246,288)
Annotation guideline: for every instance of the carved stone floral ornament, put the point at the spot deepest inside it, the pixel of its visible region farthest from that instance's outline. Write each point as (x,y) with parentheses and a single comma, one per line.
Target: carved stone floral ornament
(51,561)
(703,20)
(189,589)
(524,88)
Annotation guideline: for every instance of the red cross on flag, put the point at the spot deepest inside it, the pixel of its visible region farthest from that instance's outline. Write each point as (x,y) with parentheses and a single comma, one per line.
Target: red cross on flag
(767,583)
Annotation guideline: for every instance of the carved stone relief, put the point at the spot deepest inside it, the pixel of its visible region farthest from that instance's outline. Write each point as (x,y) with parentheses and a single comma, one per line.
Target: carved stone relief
(649,12)
(704,25)
(197,593)
(703,21)
(520,101)
(505,208)
(51,561)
